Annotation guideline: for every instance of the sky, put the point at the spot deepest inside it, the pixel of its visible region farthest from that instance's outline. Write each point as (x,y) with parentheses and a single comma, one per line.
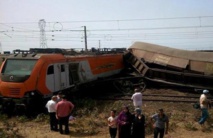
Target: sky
(182,24)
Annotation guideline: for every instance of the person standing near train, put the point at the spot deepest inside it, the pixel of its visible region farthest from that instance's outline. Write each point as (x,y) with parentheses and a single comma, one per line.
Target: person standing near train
(63,111)
(59,96)
(124,123)
(204,105)
(137,98)
(112,123)
(51,107)
(160,123)
(138,124)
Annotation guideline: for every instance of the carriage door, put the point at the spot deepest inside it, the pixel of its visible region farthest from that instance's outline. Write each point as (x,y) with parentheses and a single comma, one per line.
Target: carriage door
(59,77)
(50,79)
(56,77)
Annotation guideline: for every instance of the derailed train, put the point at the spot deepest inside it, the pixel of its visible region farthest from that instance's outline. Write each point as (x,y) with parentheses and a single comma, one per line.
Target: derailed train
(172,66)
(33,77)
(29,78)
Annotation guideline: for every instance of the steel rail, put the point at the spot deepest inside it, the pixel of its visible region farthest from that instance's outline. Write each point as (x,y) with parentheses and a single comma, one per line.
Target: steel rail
(156,100)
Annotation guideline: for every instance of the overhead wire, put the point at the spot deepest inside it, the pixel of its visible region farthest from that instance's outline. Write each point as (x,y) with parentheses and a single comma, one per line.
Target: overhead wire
(120,20)
(109,34)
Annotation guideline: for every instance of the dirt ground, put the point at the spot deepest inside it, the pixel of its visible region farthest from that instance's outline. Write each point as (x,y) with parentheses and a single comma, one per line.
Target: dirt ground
(91,123)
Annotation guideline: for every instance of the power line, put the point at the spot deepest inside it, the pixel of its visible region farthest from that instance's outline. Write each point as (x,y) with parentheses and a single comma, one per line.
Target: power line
(126,29)
(120,20)
(111,35)
(124,35)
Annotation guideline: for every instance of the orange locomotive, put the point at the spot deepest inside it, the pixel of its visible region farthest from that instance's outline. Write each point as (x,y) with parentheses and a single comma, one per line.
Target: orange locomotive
(38,76)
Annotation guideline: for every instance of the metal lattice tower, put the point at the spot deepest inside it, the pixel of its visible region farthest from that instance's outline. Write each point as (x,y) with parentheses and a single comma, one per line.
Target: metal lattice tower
(43,41)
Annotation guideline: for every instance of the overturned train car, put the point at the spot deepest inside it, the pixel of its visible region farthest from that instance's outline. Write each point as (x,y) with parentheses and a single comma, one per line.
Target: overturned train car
(171,66)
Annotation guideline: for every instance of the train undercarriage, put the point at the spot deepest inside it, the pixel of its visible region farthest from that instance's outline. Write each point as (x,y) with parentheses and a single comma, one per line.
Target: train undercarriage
(33,105)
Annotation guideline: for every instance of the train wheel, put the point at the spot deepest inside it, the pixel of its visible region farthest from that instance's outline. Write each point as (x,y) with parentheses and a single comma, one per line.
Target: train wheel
(8,107)
(141,84)
(123,86)
(34,106)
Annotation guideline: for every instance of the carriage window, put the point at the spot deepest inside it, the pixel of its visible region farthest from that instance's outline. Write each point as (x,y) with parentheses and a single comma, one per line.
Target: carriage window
(73,73)
(50,70)
(62,68)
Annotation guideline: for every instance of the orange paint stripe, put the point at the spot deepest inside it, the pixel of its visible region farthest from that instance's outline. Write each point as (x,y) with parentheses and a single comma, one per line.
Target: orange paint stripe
(102,63)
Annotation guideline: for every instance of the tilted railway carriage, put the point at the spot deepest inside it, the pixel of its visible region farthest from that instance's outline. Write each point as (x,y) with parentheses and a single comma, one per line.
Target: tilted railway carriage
(38,76)
(172,66)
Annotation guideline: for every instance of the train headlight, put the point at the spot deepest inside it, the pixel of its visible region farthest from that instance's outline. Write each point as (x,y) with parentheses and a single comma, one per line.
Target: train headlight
(32,93)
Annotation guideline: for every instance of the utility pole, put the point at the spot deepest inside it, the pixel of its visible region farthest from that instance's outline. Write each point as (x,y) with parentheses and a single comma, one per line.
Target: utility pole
(99,44)
(85,38)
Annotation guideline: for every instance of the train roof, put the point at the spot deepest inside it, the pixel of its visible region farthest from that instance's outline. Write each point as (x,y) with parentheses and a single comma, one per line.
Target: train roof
(36,56)
(55,56)
(70,51)
(186,54)
(59,53)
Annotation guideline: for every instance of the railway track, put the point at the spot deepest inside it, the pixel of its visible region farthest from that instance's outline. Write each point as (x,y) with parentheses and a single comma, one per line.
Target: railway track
(155,98)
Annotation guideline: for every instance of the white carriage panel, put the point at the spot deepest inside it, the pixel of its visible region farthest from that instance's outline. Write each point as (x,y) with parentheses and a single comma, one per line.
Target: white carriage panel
(57,77)
(50,82)
(85,73)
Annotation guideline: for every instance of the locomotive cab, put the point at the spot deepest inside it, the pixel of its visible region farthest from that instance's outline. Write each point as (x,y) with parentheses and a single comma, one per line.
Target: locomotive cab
(29,79)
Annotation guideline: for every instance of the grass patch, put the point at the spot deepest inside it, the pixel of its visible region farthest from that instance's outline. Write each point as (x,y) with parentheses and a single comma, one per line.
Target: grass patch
(190,126)
(22,119)
(3,117)
(9,130)
(42,118)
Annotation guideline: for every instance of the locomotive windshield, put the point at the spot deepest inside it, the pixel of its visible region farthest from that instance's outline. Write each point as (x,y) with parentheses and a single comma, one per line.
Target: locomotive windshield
(18,67)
